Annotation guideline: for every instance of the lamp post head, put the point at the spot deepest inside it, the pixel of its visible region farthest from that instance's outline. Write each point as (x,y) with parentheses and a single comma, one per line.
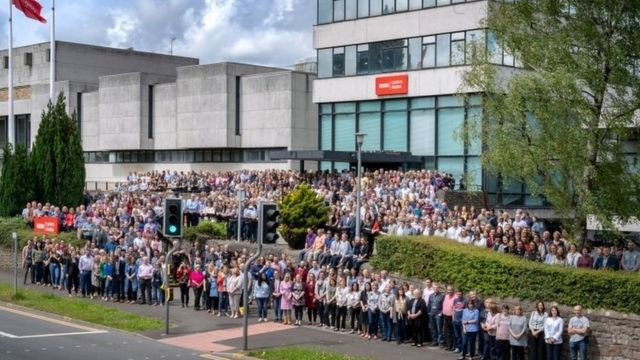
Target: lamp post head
(360,138)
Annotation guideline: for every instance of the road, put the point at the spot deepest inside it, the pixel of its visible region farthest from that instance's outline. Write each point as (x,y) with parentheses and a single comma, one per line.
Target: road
(30,335)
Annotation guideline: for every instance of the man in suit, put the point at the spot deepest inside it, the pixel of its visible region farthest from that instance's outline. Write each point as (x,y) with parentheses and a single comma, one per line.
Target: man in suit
(416,307)
(606,261)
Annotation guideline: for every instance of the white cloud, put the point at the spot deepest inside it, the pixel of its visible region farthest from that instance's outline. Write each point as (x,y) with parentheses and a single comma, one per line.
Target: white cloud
(124,25)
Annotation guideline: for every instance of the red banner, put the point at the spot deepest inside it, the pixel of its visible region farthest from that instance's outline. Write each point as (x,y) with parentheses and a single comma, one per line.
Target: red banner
(31,9)
(46,225)
(392,85)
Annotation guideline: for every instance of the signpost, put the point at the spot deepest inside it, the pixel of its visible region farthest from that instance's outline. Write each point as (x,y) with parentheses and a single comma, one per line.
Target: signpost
(15,265)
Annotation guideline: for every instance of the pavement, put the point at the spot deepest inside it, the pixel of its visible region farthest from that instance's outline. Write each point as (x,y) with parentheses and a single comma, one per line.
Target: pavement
(192,334)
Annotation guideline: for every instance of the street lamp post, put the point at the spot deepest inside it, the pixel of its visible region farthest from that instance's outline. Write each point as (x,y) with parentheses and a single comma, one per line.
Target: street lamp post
(359,141)
(240,196)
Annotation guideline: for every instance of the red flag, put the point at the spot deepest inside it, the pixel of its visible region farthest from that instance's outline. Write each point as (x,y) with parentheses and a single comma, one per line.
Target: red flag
(31,9)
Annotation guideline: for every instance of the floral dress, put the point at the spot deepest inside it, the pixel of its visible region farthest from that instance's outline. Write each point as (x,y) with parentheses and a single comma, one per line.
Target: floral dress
(298,294)
(285,290)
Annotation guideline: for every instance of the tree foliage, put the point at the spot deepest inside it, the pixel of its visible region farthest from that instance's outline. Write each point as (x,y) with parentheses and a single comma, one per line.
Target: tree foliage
(16,185)
(564,124)
(300,209)
(57,159)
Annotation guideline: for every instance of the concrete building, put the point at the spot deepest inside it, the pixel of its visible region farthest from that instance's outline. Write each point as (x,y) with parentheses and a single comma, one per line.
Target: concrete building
(140,111)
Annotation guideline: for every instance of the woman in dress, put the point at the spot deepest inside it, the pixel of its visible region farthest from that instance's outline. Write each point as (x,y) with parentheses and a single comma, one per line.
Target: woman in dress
(400,317)
(298,299)
(353,305)
(502,335)
(234,287)
(286,287)
(517,333)
(364,309)
(277,296)
(536,327)
(342,297)
(310,299)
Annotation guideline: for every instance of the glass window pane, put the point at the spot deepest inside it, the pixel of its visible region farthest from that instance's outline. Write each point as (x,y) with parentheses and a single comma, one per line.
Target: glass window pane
(444,2)
(423,125)
(388,6)
(429,39)
(394,59)
(457,35)
(363,8)
(375,7)
(325,11)
(402,5)
(443,52)
(370,106)
(395,105)
(454,166)
(338,10)
(325,132)
(325,63)
(474,119)
(429,56)
(340,166)
(325,108)
(348,107)
(350,60)
(423,103)
(448,101)
(457,52)
(508,59)
(428,3)
(495,51)
(363,59)
(415,53)
(415,4)
(533,201)
(375,57)
(338,61)
(325,165)
(449,125)
(351,9)
(395,131)
(345,132)
(474,173)
(475,44)
(370,125)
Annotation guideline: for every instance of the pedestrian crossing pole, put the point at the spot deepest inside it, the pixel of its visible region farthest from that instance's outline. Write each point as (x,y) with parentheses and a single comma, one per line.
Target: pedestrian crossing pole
(15,261)
(168,260)
(245,284)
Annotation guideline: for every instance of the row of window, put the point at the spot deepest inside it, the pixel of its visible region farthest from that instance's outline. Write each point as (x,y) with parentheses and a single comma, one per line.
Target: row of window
(424,52)
(22,130)
(426,126)
(340,10)
(179,156)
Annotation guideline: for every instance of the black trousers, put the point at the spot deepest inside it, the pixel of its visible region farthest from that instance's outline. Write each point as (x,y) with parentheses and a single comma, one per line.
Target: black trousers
(73,281)
(197,293)
(28,267)
(145,291)
(341,317)
(447,330)
(537,347)
(184,294)
(416,329)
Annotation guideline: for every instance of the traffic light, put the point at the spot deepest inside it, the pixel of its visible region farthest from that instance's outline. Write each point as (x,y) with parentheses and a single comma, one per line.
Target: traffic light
(269,216)
(173,217)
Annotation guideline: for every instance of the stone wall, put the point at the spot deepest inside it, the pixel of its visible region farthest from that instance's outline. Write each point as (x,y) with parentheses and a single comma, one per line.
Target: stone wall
(614,335)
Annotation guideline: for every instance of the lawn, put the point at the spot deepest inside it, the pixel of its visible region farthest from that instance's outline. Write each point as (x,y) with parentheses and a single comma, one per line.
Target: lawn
(79,309)
(300,353)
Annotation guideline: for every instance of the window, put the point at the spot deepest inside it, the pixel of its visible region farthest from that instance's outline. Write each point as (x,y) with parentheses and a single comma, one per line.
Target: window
(325,63)
(338,10)
(338,61)
(345,132)
(6,62)
(351,10)
(375,57)
(457,48)
(23,130)
(494,49)
(395,125)
(402,5)
(362,58)
(325,132)
(363,8)
(375,7)
(350,60)
(429,52)
(4,131)
(388,6)
(415,53)
(28,59)
(238,104)
(450,122)
(325,11)
(452,165)
(428,3)
(79,113)
(370,124)
(423,123)
(394,55)
(443,51)
(415,4)
(474,43)
(444,2)
(150,114)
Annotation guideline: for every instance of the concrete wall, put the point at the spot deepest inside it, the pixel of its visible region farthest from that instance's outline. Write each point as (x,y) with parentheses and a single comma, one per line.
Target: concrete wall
(459,17)
(165,115)
(90,121)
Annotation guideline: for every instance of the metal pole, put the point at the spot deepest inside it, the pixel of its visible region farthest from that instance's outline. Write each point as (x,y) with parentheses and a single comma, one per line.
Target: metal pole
(15,265)
(176,246)
(240,196)
(52,51)
(359,191)
(10,120)
(245,284)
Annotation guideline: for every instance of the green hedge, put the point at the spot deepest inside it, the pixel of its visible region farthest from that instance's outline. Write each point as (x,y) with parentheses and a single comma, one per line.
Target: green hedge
(206,230)
(17,224)
(495,274)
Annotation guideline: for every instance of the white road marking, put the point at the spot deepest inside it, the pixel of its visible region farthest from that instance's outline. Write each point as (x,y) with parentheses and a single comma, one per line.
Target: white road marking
(51,335)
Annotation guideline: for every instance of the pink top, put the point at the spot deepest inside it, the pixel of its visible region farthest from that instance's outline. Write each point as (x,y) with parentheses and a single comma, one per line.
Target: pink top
(502,333)
(447,305)
(492,321)
(196,278)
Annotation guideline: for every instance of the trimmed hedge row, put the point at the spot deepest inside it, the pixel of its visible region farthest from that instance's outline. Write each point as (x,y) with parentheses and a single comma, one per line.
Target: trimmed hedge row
(10,224)
(206,230)
(496,274)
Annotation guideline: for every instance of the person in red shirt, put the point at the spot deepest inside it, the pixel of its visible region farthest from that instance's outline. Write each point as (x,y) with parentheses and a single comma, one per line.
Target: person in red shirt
(302,271)
(182,275)
(310,299)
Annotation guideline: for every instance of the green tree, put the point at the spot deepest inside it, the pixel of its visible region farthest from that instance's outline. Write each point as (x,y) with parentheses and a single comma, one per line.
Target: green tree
(16,186)
(562,123)
(300,209)
(57,159)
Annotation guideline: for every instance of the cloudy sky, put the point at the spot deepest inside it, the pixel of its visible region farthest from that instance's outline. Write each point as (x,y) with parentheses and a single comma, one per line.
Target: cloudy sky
(268,32)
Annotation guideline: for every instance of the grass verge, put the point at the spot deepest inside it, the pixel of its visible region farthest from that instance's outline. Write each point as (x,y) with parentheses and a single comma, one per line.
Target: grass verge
(79,309)
(300,353)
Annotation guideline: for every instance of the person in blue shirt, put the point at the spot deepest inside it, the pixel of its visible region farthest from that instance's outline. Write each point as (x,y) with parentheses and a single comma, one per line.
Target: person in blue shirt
(470,327)
(458,309)
(108,275)
(262,291)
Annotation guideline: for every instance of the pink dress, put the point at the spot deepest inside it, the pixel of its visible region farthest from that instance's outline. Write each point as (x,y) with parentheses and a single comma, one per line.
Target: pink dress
(287,295)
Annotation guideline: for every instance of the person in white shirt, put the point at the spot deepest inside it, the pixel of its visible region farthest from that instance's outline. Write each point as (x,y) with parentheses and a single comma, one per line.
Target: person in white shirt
(553,327)
(572,256)
(440,230)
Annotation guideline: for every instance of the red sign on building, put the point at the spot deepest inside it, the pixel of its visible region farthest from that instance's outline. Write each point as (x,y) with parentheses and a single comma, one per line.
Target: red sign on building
(392,85)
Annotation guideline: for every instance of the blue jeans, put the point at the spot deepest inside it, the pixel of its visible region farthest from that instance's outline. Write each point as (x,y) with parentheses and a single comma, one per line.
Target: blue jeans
(262,307)
(373,322)
(578,348)
(224,302)
(108,291)
(436,329)
(157,294)
(85,283)
(54,271)
(553,351)
(469,344)
(457,335)
(385,322)
(276,308)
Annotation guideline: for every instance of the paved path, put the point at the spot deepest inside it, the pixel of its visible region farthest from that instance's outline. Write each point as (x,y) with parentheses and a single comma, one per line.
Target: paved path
(201,332)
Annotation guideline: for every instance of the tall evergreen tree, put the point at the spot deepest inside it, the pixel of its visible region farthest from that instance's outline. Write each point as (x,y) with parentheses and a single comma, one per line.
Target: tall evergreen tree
(16,186)
(57,159)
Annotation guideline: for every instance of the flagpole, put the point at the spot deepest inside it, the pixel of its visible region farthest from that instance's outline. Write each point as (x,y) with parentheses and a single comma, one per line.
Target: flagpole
(52,51)
(11,123)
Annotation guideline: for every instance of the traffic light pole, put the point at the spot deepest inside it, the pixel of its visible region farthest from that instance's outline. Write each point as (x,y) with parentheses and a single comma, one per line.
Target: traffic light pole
(245,284)
(168,260)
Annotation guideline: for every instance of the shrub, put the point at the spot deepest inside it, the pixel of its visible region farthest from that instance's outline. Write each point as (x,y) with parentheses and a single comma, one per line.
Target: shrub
(206,230)
(300,209)
(11,224)
(496,274)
